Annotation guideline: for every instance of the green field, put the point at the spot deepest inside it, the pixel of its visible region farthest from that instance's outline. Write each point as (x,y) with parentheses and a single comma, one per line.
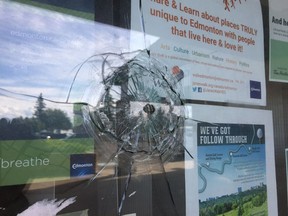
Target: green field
(249,210)
(24,161)
(246,203)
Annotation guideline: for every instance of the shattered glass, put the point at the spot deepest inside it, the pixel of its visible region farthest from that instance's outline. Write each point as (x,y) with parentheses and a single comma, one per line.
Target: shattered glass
(137,115)
(93,112)
(124,102)
(139,108)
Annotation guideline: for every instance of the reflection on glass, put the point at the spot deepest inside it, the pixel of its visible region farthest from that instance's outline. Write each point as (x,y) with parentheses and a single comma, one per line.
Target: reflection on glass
(137,107)
(83,118)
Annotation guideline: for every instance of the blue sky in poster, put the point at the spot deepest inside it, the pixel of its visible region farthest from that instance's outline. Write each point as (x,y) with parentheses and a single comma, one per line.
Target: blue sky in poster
(232,171)
(40,50)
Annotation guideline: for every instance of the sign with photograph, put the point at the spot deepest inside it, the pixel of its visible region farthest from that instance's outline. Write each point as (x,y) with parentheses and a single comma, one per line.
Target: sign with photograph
(278,40)
(44,160)
(214,49)
(232,155)
(234,161)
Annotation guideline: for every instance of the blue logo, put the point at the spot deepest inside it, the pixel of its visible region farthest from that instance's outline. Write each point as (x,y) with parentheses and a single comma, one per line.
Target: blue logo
(255,89)
(82,164)
(197,89)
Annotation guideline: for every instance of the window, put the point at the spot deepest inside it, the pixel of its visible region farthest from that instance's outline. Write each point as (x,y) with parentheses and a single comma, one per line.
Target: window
(141,107)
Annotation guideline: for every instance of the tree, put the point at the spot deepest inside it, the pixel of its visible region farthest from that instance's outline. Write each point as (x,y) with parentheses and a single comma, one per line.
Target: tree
(40,108)
(4,129)
(240,210)
(50,119)
(20,128)
(56,119)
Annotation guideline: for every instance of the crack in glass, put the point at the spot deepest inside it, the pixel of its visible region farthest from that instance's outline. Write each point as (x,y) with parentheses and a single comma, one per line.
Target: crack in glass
(138,108)
(131,107)
(138,113)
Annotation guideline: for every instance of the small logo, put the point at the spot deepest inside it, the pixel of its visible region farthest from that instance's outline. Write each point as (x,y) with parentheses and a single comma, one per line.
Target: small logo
(197,89)
(230,4)
(177,73)
(255,89)
(82,164)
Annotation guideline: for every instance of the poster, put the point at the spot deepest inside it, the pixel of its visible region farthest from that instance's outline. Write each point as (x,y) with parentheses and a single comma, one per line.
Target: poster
(44,160)
(233,161)
(216,46)
(278,22)
(40,54)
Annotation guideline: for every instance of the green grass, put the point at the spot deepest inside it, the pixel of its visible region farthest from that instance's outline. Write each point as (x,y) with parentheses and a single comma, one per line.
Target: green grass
(230,213)
(249,211)
(64,146)
(263,208)
(85,15)
(56,151)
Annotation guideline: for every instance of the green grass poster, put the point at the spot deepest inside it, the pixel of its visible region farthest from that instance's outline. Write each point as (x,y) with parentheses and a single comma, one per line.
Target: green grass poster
(39,160)
(278,22)
(232,171)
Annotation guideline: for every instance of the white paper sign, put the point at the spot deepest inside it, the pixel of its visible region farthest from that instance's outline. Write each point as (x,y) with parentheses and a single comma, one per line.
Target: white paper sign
(214,47)
(278,23)
(233,165)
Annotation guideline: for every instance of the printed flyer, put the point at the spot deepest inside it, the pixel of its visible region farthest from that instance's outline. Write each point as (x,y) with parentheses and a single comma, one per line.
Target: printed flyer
(233,169)
(215,51)
(278,23)
(33,161)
